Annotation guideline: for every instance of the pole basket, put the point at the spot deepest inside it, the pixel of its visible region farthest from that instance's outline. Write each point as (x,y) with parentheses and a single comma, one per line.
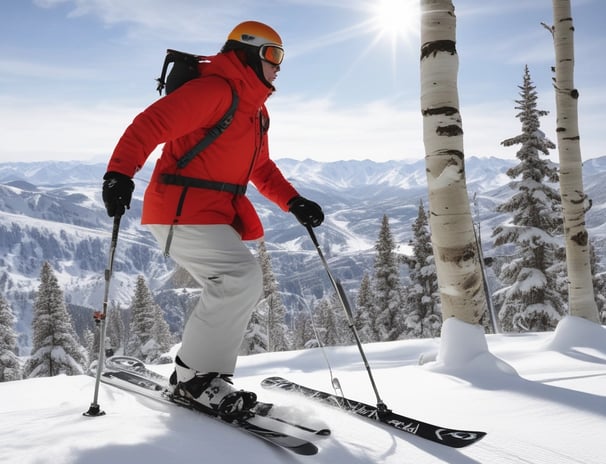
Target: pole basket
(94,411)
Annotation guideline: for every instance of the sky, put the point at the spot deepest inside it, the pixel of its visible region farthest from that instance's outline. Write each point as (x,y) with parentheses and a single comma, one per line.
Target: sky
(74,73)
(539,396)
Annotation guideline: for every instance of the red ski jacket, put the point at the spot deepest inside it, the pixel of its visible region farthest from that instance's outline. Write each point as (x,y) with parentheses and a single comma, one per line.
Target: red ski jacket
(239,155)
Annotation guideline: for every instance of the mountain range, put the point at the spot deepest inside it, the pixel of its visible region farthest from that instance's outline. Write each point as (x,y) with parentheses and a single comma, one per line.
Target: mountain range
(52,211)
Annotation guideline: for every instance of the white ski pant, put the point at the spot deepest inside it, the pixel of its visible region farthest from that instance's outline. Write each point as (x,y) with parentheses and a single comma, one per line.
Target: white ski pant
(232,284)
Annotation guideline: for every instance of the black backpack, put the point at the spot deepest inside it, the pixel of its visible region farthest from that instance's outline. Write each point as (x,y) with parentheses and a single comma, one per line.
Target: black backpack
(185,68)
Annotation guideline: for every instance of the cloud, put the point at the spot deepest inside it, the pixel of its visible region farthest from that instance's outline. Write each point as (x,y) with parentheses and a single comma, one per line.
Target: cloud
(183,20)
(320,130)
(35,130)
(300,128)
(36,69)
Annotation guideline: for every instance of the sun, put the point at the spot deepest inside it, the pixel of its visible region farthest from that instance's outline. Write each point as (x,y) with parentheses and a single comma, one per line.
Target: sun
(396,19)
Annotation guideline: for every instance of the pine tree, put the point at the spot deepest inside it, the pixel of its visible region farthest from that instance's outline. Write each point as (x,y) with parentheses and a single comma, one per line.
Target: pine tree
(255,337)
(599,284)
(423,317)
(387,286)
(303,333)
(326,323)
(531,300)
(331,322)
(149,336)
(10,367)
(91,345)
(56,349)
(277,330)
(115,338)
(115,329)
(365,317)
(162,334)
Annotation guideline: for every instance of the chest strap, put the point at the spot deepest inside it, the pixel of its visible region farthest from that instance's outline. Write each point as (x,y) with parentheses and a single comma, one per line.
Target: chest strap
(184,181)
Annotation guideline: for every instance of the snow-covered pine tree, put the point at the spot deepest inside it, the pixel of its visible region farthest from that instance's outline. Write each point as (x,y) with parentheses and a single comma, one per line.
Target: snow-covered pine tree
(116,330)
(10,367)
(302,331)
(277,331)
(56,349)
(326,322)
(149,336)
(599,285)
(422,316)
(575,203)
(531,299)
(255,337)
(365,317)
(452,236)
(162,335)
(115,338)
(90,344)
(386,285)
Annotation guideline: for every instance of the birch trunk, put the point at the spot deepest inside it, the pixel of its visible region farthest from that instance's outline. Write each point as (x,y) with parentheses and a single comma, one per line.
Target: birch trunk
(574,201)
(454,246)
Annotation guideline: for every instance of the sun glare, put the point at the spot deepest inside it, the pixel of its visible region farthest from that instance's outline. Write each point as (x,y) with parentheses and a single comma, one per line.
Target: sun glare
(397,19)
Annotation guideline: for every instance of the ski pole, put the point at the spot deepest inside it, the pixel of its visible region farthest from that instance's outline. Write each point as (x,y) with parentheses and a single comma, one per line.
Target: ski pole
(100,316)
(381,407)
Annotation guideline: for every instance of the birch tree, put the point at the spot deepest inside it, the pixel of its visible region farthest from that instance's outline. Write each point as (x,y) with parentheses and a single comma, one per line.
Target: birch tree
(574,201)
(455,250)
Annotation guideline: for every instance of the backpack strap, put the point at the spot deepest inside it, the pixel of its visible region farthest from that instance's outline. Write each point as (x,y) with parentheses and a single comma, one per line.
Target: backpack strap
(185,68)
(212,133)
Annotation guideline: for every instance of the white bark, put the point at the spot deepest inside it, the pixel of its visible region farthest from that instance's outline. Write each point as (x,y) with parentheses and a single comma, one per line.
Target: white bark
(574,201)
(455,250)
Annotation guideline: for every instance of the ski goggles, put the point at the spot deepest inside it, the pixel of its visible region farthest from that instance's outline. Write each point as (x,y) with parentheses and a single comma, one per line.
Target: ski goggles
(273,54)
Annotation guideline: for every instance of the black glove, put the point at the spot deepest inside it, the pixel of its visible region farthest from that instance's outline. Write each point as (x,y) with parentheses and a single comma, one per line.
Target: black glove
(117,192)
(306,211)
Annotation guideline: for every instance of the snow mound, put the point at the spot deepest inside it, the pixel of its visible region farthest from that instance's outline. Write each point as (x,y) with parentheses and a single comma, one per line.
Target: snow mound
(467,359)
(575,332)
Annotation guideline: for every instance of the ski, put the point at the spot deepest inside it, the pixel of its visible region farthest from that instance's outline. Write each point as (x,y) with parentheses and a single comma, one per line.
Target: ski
(453,438)
(159,382)
(131,375)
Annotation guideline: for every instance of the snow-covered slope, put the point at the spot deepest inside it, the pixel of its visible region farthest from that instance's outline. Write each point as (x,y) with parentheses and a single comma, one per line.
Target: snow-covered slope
(540,397)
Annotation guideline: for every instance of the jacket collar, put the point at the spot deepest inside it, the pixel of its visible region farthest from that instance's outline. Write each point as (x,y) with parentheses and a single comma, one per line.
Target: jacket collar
(251,91)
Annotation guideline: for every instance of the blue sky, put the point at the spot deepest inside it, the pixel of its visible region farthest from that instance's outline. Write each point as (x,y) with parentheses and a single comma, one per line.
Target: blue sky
(74,73)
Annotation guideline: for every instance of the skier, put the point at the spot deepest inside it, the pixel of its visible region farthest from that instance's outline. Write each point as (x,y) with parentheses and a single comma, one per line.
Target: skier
(200,214)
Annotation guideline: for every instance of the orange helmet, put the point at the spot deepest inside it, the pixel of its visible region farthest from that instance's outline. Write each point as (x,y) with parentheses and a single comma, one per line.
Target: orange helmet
(255,33)
(257,42)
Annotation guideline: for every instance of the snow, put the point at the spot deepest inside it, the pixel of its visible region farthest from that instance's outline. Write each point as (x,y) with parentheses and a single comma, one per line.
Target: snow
(541,397)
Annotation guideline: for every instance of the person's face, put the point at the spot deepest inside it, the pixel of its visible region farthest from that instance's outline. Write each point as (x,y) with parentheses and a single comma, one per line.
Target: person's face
(270,71)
